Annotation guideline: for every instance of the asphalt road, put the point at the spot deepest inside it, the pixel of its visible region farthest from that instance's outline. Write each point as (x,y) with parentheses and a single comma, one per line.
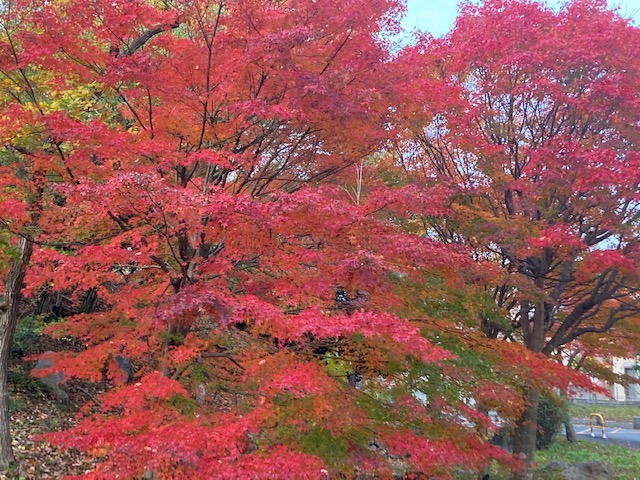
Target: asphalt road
(617,435)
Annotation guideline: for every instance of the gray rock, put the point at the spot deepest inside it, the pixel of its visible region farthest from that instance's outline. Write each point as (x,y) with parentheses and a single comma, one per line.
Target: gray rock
(126,366)
(596,470)
(556,466)
(636,423)
(52,381)
(201,394)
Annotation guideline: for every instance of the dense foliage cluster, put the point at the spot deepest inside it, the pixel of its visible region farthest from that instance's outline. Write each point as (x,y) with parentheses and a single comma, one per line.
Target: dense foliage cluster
(293,253)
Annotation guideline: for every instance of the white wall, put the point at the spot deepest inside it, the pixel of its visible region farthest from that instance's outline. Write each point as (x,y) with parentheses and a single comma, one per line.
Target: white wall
(619,366)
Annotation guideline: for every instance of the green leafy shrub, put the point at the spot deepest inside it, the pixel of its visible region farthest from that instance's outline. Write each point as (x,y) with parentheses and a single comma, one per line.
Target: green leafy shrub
(551,415)
(28,334)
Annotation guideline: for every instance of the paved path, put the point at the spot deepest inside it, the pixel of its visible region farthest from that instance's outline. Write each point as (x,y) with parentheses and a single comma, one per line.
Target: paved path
(622,436)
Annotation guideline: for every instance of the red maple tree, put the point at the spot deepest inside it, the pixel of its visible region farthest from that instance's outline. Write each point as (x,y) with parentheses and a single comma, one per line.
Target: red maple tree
(260,289)
(530,116)
(184,163)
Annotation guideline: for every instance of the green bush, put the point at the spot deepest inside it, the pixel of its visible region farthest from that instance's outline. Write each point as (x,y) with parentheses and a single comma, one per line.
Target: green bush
(551,415)
(22,381)
(28,332)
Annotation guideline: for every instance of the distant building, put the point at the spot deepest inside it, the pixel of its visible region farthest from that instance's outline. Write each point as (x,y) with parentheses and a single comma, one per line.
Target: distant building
(620,393)
(629,393)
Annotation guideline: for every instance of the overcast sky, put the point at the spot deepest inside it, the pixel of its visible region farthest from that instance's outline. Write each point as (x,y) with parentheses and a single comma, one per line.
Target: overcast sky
(438,16)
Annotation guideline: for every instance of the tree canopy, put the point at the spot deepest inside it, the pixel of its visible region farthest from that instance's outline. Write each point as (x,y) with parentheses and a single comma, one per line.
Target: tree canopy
(289,249)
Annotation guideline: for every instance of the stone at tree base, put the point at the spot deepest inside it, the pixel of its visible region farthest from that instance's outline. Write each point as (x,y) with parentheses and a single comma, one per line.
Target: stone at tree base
(201,394)
(596,470)
(126,367)
(53,380)
(553,469)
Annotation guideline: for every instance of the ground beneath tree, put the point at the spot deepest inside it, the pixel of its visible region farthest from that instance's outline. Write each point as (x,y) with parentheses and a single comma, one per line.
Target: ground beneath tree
(33,412)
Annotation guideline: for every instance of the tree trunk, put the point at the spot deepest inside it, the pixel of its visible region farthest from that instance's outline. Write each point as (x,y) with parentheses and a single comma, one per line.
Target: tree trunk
(483,433)
(524,435)
(8,318)
(570,431)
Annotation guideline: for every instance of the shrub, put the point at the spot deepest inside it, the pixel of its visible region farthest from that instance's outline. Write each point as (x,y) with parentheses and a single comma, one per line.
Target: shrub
(551,415)
(28,333)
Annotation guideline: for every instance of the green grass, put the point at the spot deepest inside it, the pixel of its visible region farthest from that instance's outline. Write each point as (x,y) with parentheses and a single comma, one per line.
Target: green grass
(616,413)
(625,461)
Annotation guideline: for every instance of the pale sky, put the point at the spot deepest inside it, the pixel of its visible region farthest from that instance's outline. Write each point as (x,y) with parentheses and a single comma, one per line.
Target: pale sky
(438,16)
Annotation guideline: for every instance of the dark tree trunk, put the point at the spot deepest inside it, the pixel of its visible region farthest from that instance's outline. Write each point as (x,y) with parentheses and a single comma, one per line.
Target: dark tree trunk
(570,431)
(524,435)
(9,304)
(483,433)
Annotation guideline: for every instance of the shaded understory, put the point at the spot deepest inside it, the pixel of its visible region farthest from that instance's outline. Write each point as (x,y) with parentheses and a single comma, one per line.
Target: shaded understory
(34,411)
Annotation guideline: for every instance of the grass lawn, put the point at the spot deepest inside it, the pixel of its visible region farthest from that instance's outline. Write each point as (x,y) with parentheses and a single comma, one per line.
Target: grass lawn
(616,413)
(625,461)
